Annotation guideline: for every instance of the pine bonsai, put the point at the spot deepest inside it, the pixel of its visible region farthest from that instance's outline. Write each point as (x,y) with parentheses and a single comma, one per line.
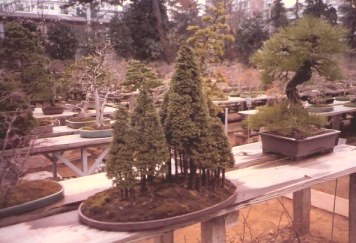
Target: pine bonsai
(296,52)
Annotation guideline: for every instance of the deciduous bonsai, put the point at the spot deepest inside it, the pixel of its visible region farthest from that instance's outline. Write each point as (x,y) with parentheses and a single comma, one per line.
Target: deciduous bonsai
(89,75)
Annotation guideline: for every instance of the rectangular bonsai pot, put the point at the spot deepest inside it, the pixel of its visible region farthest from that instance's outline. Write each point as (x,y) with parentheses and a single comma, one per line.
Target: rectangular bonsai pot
(297,149)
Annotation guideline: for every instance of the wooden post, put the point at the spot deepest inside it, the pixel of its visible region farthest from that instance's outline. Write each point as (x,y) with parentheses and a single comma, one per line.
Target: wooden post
(335,121)
(213,230)
(352,208)
(301,211)
(167,237)
(84,157)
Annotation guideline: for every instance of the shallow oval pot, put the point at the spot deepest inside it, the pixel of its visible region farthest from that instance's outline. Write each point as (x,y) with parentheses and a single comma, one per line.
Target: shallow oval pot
(80,124)
(153,224)
(38,203)
(84,133)
(319,109)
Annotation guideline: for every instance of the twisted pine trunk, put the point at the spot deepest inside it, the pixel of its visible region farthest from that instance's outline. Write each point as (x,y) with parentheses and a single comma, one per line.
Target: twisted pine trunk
(303,74)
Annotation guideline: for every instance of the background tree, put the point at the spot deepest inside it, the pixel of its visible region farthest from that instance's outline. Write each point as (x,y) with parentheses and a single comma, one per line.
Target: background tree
(278,15)
(142,27)
(61,43)
(21,53)
(249,37)
(318,8)
(208,40)
(348,19)
(151,151)
(183,13)
(309,45)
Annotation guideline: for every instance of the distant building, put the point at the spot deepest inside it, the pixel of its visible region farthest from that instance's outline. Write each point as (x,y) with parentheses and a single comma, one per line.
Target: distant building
(248,8)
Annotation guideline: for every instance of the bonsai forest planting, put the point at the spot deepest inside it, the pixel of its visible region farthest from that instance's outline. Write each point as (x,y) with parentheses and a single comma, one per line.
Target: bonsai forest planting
(167,165)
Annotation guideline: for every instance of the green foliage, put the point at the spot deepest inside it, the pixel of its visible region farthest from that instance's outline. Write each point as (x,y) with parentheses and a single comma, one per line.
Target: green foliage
(208,40)
(182,15)
(15,113)
(249,37)
(61,43)
(139,76)
(190,131)
(309,45)
(22,55)
(319,9)
(348,19)
(286,119)
(278,15)
(151,151)
(134,33)
(120,162)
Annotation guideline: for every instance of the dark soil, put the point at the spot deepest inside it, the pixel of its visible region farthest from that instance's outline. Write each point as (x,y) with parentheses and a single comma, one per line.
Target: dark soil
(26,191)
(163,201)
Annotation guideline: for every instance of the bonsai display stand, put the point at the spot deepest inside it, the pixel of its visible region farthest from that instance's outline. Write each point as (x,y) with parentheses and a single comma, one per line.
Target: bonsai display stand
(277,177)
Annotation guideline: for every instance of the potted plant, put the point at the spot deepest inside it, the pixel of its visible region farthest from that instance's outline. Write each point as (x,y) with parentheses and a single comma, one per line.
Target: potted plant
(148,188)
(17,195)
(319,101)
(90,74)
(290,130)
(294,60)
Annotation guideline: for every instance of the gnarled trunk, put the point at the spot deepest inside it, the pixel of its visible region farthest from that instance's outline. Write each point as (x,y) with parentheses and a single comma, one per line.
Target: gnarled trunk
(303,74)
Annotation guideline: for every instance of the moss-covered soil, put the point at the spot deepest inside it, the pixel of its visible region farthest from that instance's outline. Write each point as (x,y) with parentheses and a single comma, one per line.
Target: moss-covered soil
(165,200)
(26,191)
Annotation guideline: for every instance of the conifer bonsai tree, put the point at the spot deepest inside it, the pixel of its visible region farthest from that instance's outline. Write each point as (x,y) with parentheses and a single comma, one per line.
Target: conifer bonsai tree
(139,75)
(293,54)
(16,120)
(192,134)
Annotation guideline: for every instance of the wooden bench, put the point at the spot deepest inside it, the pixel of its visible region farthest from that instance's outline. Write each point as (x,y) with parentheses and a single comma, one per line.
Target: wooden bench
(258,177)
(53,148)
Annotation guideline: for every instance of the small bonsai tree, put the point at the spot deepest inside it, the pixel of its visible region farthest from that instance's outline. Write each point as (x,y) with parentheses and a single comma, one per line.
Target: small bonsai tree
(139,75)
(294,53)
(16,123)
(16,120)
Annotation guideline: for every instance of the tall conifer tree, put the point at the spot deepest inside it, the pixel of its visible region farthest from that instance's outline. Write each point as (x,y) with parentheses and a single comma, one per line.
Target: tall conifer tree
(120,162)
(151,151)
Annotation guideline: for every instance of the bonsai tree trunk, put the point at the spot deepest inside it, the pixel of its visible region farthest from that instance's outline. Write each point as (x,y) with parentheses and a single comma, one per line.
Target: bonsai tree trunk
(99,108)
(303,74)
